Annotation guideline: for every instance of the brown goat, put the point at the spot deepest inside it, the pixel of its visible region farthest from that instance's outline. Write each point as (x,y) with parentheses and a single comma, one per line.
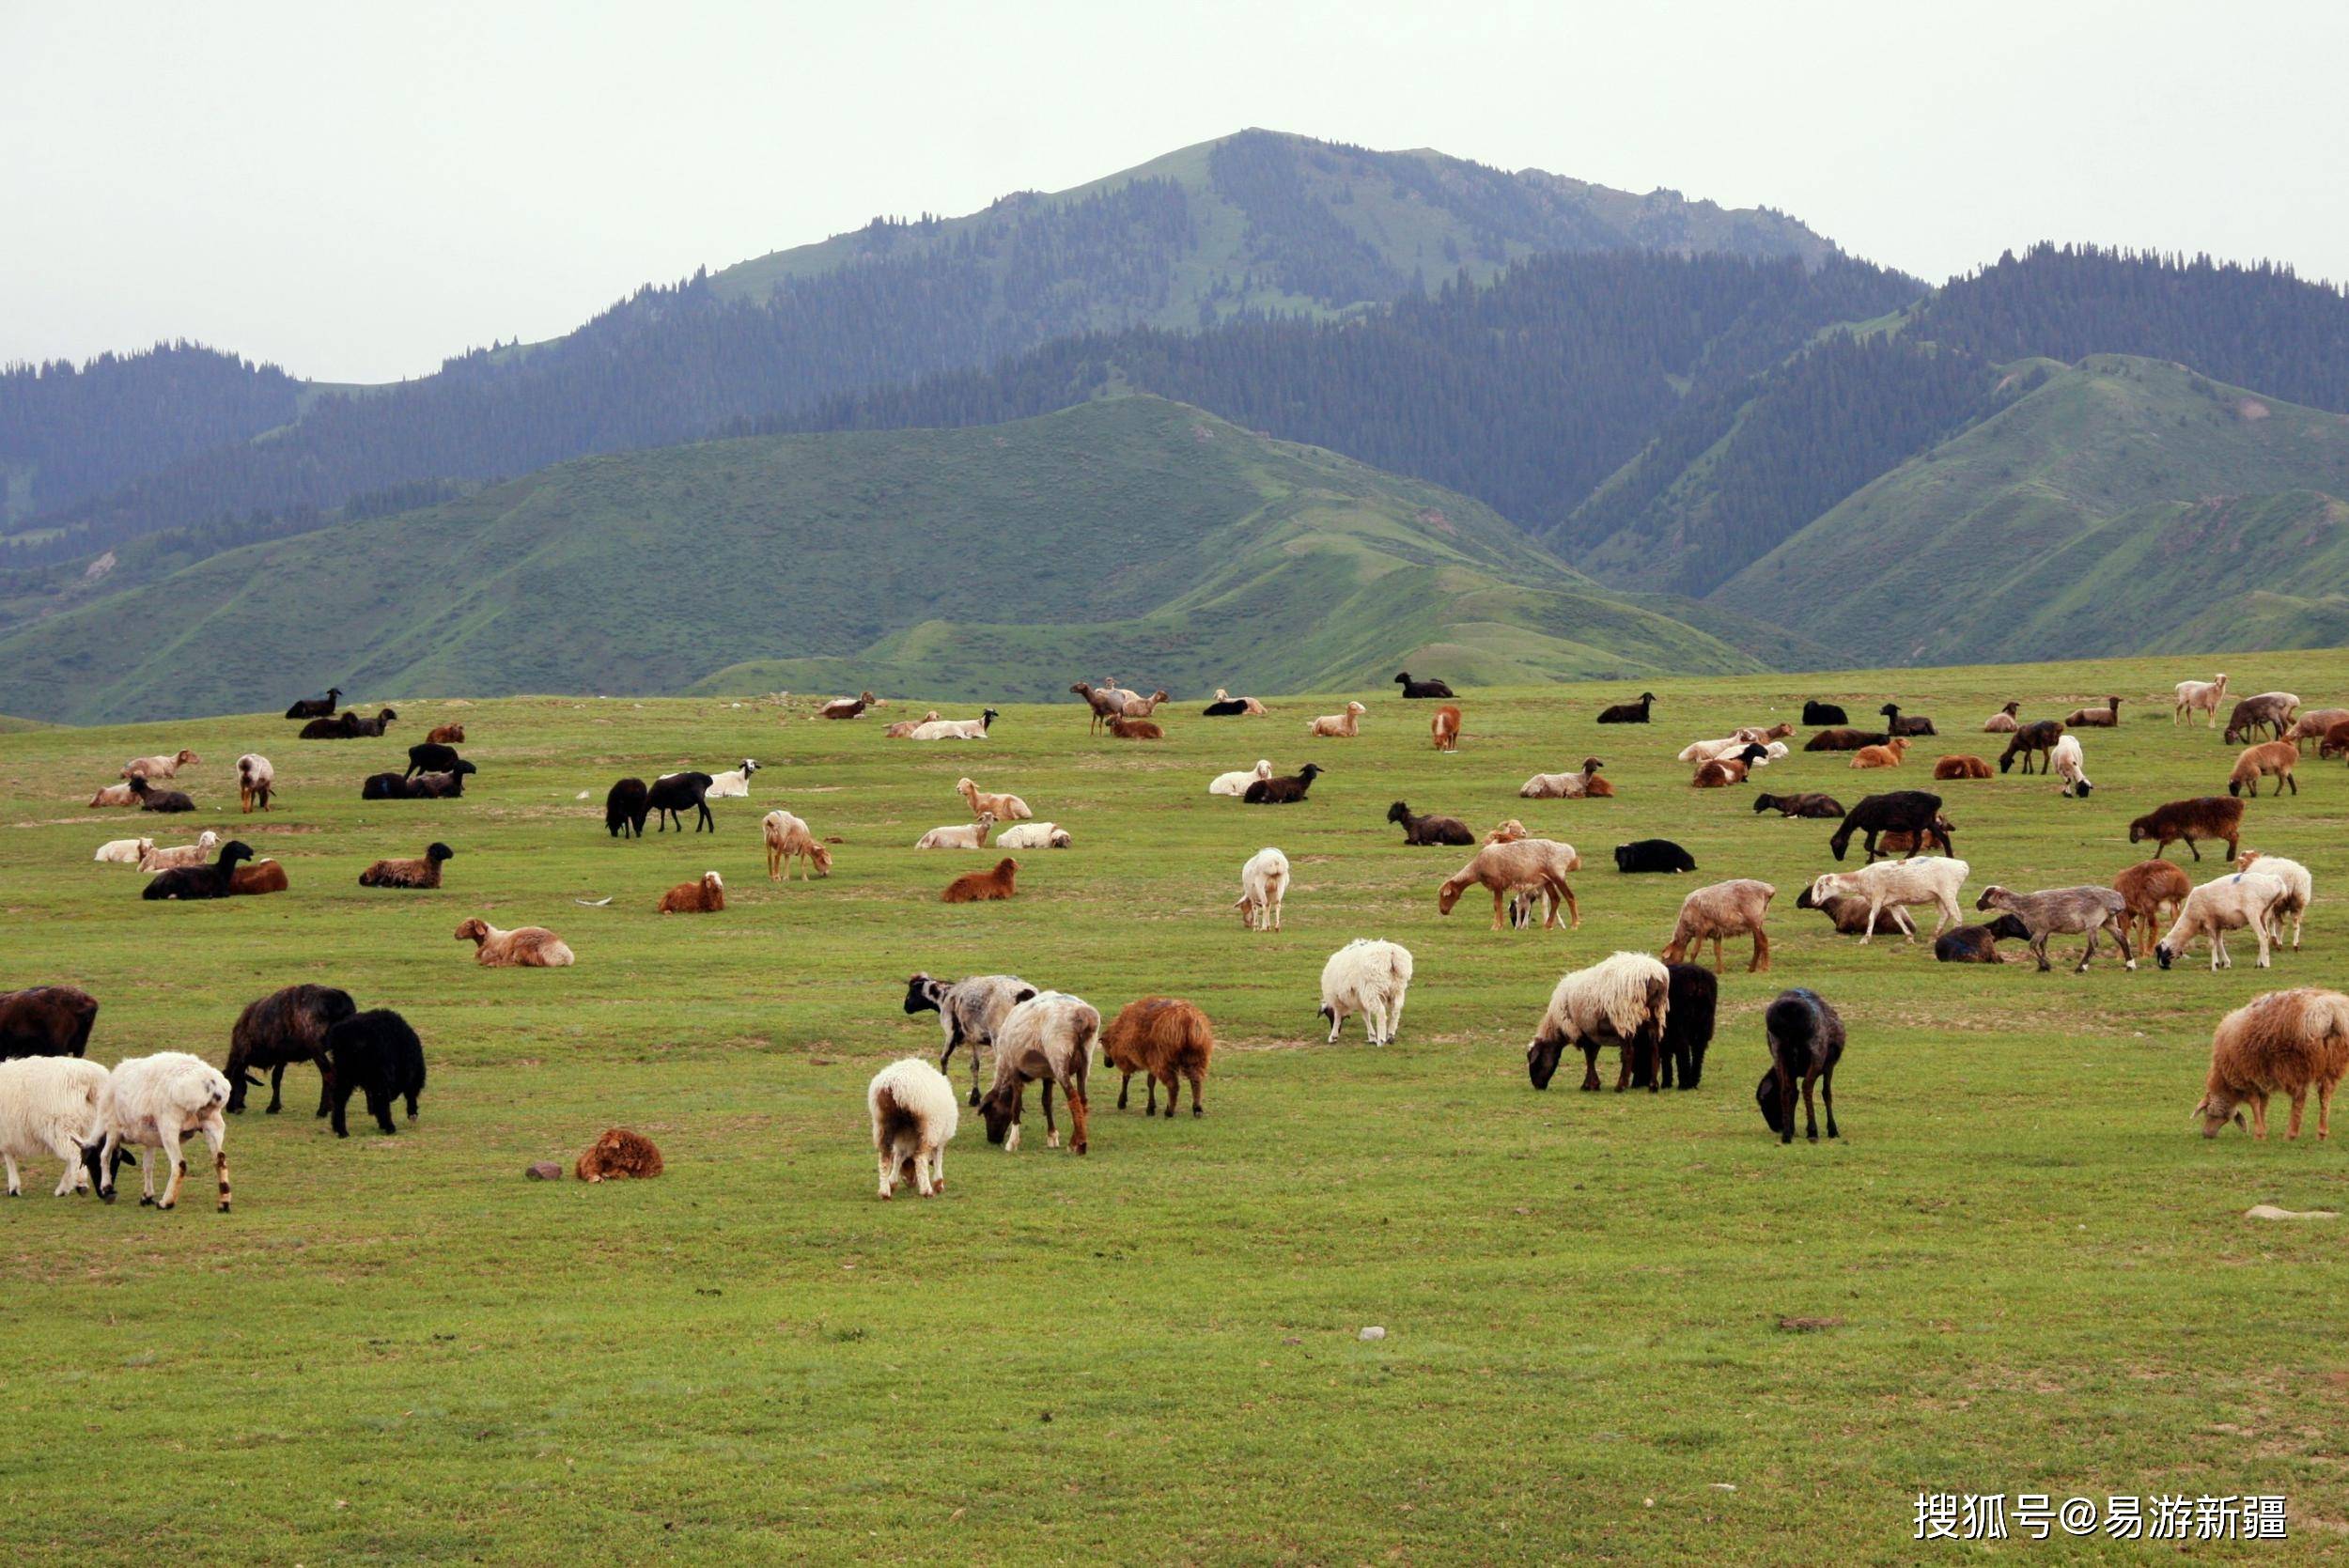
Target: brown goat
(2286,1042)
(1106,706)
(1851,915)
(705,897)
(2206,817)
(2271,756)
(1445,728)
(2003,722)
(1733,908)
(447,735)
(1135,729)
(978,887)
(1961,768)
(1721,772)
(1164,1040)
(620,1155)
(530,947)
(2151,892)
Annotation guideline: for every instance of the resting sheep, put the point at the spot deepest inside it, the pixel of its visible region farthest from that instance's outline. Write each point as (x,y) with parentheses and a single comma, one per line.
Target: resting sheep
(1623,1000)
(972,835)
(1228,707)
(1537,865)
(1369,976)
(1123,728)
(151,798)
(123,851)
(2275,757)
(424,873)
(1585,785)
(1852,917)
(1423,688)
(529,947)
(2269,710)
(1732,909)
(47,1104)
(969,1011)
(983,887)
(260,878)
(620,1155)
(152,1104)
(1342,726)
(1003,808)
(2210,816)
(955,729)
(1886,755)
(1264,882)
(257,780)
(2285,1042)
(171,857)
(1961,768)
(733,784)
(165,767)
(1806,1037)
(2150,892)
(1033,835)
(705,897)
(2065,911)
(1629,713)
(1286,790)
(1050,1038)
(447,735)
(1652,855)
(2299,889)
(2005,721)
(2104,718)
(914,1116)
(1429,830)
(316,707)
(1166,1041)
(903,729)
(2214,908)
(788,838)
(846,707)
(1235,782)
(1721,773)
(1807,804)
(1844,740)
(1896,885)
(200,881)
(46,1020)
(1978,944)
(1896,726)
(1816,712)
(2198,696)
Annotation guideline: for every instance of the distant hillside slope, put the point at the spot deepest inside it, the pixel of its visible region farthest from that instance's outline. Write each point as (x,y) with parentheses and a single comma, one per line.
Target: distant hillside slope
(2124,504)
(1132,533)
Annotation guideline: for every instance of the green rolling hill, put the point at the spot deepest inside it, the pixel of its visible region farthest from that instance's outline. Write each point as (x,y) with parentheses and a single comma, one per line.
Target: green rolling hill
(996,562)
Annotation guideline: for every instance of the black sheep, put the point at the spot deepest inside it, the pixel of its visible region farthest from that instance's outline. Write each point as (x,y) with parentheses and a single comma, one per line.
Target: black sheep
(380,1056)
(200,881)
(1422,688)
(325,729)
(1429,830)
(385,787)
(1895,724)
(1228,707)
(1653,854)
(356,726)
(1978,944)
(1807,804)
(1688,1028)
(626,808)
(278,1030)
(46,1020)
(1823,713)
(1910,811)
(673,794)
(1629,713)
(428,756)
(1282,791)
(316,708)
(1806,1040)
(1844,740)
(151,798)
(2038,736)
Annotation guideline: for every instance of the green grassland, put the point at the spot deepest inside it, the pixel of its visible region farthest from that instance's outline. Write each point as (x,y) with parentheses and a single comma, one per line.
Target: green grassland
(1619,1327)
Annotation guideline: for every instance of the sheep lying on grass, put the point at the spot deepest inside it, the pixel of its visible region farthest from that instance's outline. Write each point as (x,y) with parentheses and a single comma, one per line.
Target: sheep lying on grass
(1585,785)
(1236,783)
(705,897)
(124,851)
(620,1155)
(1003,808)
(171,857)
(424,873)
(1033,835)
(524,947)
(2285,1042)
(1343,726)
(959,836)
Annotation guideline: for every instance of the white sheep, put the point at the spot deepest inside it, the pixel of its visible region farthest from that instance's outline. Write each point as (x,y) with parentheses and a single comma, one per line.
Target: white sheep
(968,1011)
(2067,761)
(1263,881)
(1893,884)
(970,835)
(1344,726)
(1033,835)
(123,851)
(2199,696)
(955,729)
(165,767)
(47,1104)
(152,1104)
(171,856)
(2217,908)
(1050,1037)
(1237,783)
(257,780)
(1369,977)
(1622,1001)
(2299,889)
(914,1116)
(732,785)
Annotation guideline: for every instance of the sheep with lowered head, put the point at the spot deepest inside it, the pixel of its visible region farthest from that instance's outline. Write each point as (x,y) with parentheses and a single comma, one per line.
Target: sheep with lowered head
(2285,1042)
(1050,1038)
(1732,909)
(1264,882)
(2229,904)
(914,1117)
(2299,889)
(47,1104)
(1033,835)
(1624,1001)
(1369,976)
(1896,885)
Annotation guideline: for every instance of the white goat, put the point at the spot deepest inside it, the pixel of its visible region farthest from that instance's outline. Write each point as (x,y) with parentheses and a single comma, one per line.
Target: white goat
(1893,884)
(124,851)
(1369,977)
(152,1104)
(914,1116)
(47,1104)
(1033,835)
(1237,783)
(2217,908)
(2299,889)
(732,785)
(1263,881)
(970,835)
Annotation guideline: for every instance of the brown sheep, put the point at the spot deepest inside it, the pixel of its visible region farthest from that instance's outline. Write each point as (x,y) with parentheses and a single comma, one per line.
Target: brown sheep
(705,897)
(529,947)
(1538,863)
(1164,1040)
(2104,718)
(2316,725)
(1586,785)
(2269,710)
(847,707)
(2336,742)
(1445,728)
(114,795)
(1961,768)
(2210,816)
(1135,729)
(260,876)
(2005,721)
(1887,755)
(2151,892)
(447,735)
(1343,726)
(2285,1042)
(166,766)
(903,729)
(1851,915)
(788,838)
(1141,707)
(424,873)
(1904,840)
(620,1155)
(1721,772)
(1733,908)
(979,887)
(1106,705)
(2271,756)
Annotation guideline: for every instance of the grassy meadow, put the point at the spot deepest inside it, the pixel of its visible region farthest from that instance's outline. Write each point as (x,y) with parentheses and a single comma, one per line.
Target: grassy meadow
(1618,1328)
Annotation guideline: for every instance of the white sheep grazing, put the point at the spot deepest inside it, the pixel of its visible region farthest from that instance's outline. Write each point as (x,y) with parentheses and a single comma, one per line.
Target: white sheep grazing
(732,785)
(914,1116)
(1263,881)
(173,856)
(1050,1038)
(1237,783)
(152,1104)
(1344,726)
(1033,835)
(1623,1000)
(1369,977)
(2217,908)
(47,1104)
(2067,759)
(257,780)
(2199,696)
(123,851)
(955,729)
(1893,884)
(970,835)
(2299,889)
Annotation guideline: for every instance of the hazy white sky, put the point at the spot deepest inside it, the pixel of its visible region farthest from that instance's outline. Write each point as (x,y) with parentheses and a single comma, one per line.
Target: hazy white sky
(355,191)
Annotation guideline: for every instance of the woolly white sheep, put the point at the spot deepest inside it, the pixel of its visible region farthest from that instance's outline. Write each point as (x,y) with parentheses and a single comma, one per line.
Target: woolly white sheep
(1263,881)
(2217,908)
(124,851)
(47,1105)
(1892,884)
(2066,759)
(152,1104)
(1033,835)
(732,785)
(970,835)
(2199,696)
(1050,1037)
(2299,889)
(257,780)
(914,1116)
(1369,977)
(1006,808)
(1237,783)
(1624,1001)
(955,729)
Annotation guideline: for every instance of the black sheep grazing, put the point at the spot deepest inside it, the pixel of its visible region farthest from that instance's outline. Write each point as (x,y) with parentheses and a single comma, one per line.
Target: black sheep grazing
(200,881)
(1808,805)
(1230,708)
(46,1020)
(1692,1000)
(1844,740)
(385,787)
(441,787)
(1422,688)
(1282,791)
(151,798)
(380,1056)
(626,808)
(316,708)
(427,756)
(1823,713)
(1911,810)
(1629,713)
(1895,724)
(1978,944)
(2038,736)
(673,794)
(279,1030)
(1806,1042)
(1429,830)
(1653,854)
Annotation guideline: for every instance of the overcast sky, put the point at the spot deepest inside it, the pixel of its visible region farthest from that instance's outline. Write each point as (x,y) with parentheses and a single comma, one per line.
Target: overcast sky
(354,192)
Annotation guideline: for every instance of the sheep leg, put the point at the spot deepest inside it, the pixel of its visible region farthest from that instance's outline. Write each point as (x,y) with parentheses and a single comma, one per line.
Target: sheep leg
(1590,1067)
(937,1152)
(1174,1090)
(1394,1016)
(2259,926)
(1498,894)
(1125,1088)
(1761,961)
(326,1085)
(1945,914)
(216,1136)
(2323,1109)
(1787,1095)
(1151,1083)
(1573,910)
(1827,1092)
(2219,951)
(2299,1102)
(1198,1076)
(379,1106)
(276,1087)
(1810,1111)
(179,1165)
(1051,1132)
(1716,953)
(2039,950)
(1077,1107)
(2258,1116)
(889,1167)
(12,1186)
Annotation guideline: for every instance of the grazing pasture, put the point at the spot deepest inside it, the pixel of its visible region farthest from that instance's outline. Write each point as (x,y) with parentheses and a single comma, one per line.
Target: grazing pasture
(1629,1328)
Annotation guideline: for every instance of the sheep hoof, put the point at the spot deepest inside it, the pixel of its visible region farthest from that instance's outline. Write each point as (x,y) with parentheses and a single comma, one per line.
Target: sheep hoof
(884,1195)
(166,1205)
(146,1203)
(1052,1140)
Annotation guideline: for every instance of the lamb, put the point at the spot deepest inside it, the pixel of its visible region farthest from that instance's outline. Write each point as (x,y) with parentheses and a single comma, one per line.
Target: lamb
(903,729)
(1806,1037)
(846,707)
(1538,865)
(914,1116)
(174,856)
(1896,885)
(2104,718)
(529,947)
(380,1056)
(2065,911)
(1286,790)
(200,881)
(2198,696)
(1369,976)
(1445,728)
(1106,706)
(1049,1037)
(2071,767)
(1342,726)
(620,1155)
(153,1103)
(165,767)
(1228,707)
(151,798)
(1166,1041)
(1961,768)
(2211,816)
(260,878)
(705,897)
(673,794)
(968,1011)
(257,780)
(114,795)
(1653,854)
(981,887)
(1141,707)
(2269,710)
(46,1020)
(1911,810)
(1003,808)
(424,873)
(447,735)
(47,1104)
(1816,712)
(1429,830)
(2151,892)
(1624,1001)
(733,784)
(1629,713)
(2273,757)
(1887,755)
(2299,889)
(2214,908)
(1585,785)
(788,838)
(1264,882)
(1033,835)
(1844,740)
(1236,783)
(1896,726)
(316,708)
(2285,1042)
(430,756)
(1724,771)
(970,836)
(1135,729)
(956,729)
(275,1031)
(1807,804)
(1978,944)
(626,807)
(2005,721)
(123,851)
(1732,909)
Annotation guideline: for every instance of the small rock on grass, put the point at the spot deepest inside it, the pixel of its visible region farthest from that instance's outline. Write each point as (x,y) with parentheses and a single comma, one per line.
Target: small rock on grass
(2269,1211)
(544,1170)
(1373,1333)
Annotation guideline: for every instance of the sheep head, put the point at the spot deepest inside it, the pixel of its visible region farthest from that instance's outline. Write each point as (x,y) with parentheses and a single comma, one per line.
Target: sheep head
(2217,1108)
(1542,1054)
